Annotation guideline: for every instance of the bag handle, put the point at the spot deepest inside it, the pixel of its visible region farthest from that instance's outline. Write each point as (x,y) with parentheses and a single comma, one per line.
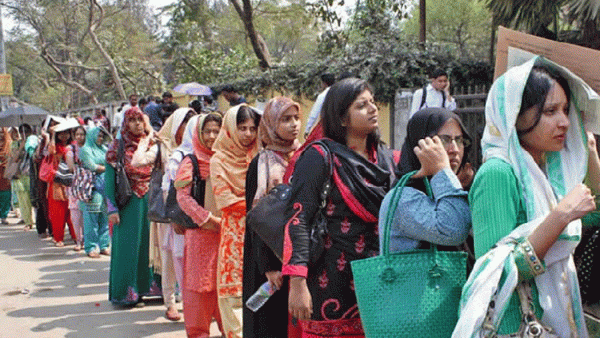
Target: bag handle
(326,189)
(387,226)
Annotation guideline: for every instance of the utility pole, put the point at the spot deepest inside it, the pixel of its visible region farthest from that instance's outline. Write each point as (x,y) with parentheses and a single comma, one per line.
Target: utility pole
(422,23)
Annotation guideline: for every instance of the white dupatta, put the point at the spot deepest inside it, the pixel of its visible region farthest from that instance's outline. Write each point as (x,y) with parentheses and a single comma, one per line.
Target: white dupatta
(558,287)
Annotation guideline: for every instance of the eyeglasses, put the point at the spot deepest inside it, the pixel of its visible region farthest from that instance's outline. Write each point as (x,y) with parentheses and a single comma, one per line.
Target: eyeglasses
(460,140)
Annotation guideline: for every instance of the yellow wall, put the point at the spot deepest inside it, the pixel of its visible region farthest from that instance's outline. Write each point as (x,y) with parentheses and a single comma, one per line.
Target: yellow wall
(306,104)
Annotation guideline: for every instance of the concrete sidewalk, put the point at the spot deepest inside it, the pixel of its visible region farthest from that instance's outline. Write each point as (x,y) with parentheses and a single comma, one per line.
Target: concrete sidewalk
(52,292)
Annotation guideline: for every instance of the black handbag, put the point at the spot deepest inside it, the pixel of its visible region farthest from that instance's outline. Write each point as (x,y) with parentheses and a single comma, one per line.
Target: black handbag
(173,211)
(156,200)
(268,217)
(123,190)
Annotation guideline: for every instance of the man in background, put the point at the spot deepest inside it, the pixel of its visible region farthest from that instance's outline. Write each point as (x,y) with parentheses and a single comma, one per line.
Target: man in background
(327,79)
(232,96)
(435,94)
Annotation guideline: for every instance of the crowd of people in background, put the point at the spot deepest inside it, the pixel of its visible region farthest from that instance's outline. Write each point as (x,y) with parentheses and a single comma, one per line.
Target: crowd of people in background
(219,164)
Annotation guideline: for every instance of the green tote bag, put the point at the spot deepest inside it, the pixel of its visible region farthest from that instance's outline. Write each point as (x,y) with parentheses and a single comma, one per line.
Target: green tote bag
(409,294)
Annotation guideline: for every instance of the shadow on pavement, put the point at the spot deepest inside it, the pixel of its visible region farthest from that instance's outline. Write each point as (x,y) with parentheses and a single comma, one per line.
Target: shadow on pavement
(100,320)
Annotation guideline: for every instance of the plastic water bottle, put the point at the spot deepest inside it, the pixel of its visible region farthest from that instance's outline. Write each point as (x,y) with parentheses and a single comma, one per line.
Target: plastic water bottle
(260,297)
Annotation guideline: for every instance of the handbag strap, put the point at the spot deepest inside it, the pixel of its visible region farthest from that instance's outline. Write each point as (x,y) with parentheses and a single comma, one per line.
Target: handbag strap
(326,189)
(158,161)
(121,151)
(396,195)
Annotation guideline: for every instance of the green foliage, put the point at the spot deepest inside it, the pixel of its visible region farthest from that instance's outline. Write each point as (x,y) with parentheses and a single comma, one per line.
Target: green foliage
(60,29)
(386,62)
(461,25)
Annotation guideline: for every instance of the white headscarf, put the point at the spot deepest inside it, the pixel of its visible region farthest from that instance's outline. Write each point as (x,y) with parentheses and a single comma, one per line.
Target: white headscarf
(558,286)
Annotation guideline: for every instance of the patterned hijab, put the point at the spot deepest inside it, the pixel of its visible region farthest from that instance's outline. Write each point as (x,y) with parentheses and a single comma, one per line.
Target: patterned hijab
(273,160)
(139,177)
(230,162)
(267,129)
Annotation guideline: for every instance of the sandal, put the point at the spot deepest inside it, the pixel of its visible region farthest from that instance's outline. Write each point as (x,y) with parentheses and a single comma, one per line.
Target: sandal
(173,315)
(77,248)
(105,252)
(28,227)
(59,244)
(93,254)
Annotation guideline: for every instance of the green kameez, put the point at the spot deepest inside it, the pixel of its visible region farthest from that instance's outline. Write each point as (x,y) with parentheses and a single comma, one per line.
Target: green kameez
(131,276)
(497,209)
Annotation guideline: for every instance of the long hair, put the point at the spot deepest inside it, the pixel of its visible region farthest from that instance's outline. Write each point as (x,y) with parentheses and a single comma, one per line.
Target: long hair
(335,109)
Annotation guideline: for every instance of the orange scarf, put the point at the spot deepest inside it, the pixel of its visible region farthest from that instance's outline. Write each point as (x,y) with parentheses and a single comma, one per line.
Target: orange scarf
(229,164)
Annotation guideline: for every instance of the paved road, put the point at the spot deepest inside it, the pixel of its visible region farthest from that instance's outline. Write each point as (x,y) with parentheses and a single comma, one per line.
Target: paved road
(52,292)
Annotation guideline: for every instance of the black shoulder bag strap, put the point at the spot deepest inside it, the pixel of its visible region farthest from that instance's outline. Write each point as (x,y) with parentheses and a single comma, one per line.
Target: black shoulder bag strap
(195,175)
(423,97)
(326,189)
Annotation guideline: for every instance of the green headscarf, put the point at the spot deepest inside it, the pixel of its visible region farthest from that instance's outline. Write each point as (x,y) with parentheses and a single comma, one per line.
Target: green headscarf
(92,152)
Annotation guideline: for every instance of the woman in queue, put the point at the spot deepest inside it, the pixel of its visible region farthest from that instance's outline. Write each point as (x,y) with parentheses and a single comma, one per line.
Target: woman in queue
(5,187)
(321,294)
(72,160)
(171,242)
(234,148)
(278,137)
(95,219)
(436,144)
(527,200)
(200,304)
(131,277)
(58,201)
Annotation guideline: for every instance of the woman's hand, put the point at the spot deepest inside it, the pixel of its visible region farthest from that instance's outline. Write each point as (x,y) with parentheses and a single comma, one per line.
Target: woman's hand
(578,203)
(114,218)
(147,126)
(100,168)
(432,155)
(275,278)
(213,224)
(179,229)
(300,300)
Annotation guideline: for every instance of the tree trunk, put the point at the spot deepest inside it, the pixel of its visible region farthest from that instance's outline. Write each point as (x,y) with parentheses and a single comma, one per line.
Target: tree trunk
(111,64)
(422,23)
(258,44)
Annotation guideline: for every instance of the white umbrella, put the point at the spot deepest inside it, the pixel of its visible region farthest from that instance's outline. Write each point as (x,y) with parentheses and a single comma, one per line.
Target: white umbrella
(193,88)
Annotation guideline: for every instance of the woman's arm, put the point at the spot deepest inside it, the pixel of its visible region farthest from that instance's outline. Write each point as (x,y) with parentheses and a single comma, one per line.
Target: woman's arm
(444,219)
(144,154)
(70,158)
(189,205)
(593,174)
(495,204)
(310,174)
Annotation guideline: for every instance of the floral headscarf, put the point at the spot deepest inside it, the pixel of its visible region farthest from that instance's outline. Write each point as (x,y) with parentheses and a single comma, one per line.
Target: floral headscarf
(139,177)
